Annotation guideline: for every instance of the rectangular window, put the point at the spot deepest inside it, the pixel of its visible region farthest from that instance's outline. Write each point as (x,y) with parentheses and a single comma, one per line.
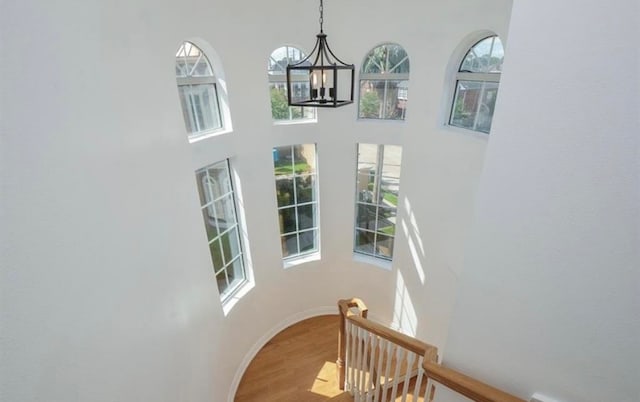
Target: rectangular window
(218,203)
(280,109)
(377,187)
(473,105)
(200,107)
(383,99)
(295,168)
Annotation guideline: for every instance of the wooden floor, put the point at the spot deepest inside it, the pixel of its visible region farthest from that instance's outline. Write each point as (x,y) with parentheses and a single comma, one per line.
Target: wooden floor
(296,365)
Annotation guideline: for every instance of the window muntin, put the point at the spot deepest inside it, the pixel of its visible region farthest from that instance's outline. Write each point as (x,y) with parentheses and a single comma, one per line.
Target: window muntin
(384,83)
(277,69)
(295,168)
(217,202)
(477,83)
(198,91)
(377,188)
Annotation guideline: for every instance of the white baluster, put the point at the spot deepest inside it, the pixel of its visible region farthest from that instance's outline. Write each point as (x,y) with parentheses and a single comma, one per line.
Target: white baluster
(373,351)
(382,349)
(360,365)
(348,378)
(363,364)
(356,351)
(399,358)
(411,358)
(416,390)
(387,370)
(429,391)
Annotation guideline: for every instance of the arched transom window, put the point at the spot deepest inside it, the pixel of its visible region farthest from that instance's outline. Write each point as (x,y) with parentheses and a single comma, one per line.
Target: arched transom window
(198,90)
(277,69)
(477,82)
(384,83)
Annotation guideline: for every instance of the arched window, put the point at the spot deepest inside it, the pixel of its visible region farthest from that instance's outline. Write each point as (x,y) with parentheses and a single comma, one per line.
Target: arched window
(384,83)
(477,82)
(277,69)
(198,91)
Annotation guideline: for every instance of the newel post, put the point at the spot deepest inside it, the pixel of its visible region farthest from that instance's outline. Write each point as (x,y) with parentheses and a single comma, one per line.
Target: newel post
(344,307)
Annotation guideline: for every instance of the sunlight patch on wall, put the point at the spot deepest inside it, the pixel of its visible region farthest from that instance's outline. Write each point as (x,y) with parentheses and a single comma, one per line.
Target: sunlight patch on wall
(405,319)
(412,233)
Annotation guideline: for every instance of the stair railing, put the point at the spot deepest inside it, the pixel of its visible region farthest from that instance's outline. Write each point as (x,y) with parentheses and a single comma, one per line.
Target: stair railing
(467,386)
(378,364)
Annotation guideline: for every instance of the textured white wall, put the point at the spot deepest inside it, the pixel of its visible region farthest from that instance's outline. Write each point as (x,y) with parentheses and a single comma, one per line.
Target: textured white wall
(549,296)
(107,291)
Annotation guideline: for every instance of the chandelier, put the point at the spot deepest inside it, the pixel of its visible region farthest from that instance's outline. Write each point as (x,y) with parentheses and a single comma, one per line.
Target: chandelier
(329,80)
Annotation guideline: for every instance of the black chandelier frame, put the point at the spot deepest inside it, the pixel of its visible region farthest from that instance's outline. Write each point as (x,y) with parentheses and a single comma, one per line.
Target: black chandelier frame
(322,91)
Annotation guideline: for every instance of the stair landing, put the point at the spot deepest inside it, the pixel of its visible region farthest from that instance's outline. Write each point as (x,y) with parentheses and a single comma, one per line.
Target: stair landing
(296,365)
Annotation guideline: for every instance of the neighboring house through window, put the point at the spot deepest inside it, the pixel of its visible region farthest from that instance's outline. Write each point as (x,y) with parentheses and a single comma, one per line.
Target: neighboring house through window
(277,69)
(476,88)
(384,83)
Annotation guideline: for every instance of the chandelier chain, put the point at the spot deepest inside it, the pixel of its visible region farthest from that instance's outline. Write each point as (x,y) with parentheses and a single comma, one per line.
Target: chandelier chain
(321,15)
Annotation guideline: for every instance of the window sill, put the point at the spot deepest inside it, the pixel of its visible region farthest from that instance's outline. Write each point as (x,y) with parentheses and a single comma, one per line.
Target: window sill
(466,131)
(294,122)
(293,262)
(208,134)
(371,260)
(384,121)
(235,296)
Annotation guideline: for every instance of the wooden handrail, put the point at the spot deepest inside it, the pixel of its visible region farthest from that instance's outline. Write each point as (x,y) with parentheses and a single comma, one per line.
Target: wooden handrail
(405,341)
(345,306)
(429,352)
(465,385)
(470,387)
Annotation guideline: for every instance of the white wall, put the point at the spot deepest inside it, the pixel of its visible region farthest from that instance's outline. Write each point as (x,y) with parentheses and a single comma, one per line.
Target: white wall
(548,299)
(107,290)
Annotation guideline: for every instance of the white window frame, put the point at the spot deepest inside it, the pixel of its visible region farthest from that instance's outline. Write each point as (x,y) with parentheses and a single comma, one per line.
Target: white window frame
(479,77)
(278,79)
(386,77)
(294,205)
(189,81)
(377,202)
(210,206)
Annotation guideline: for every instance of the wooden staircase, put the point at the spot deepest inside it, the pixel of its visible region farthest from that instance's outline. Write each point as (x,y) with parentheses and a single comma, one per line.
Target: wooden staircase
(375,364)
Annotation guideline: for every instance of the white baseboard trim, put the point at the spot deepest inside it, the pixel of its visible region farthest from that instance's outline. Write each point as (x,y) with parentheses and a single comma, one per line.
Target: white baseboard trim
(287,322)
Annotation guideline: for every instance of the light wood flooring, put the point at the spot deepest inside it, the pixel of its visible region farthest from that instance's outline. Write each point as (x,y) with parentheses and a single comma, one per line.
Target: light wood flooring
(296,365)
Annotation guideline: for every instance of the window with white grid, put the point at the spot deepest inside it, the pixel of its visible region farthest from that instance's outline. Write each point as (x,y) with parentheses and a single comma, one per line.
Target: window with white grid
(377,189)
(295,168)
(217,201)
(198,91)
(477,83)
(384,83)
(277,70)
